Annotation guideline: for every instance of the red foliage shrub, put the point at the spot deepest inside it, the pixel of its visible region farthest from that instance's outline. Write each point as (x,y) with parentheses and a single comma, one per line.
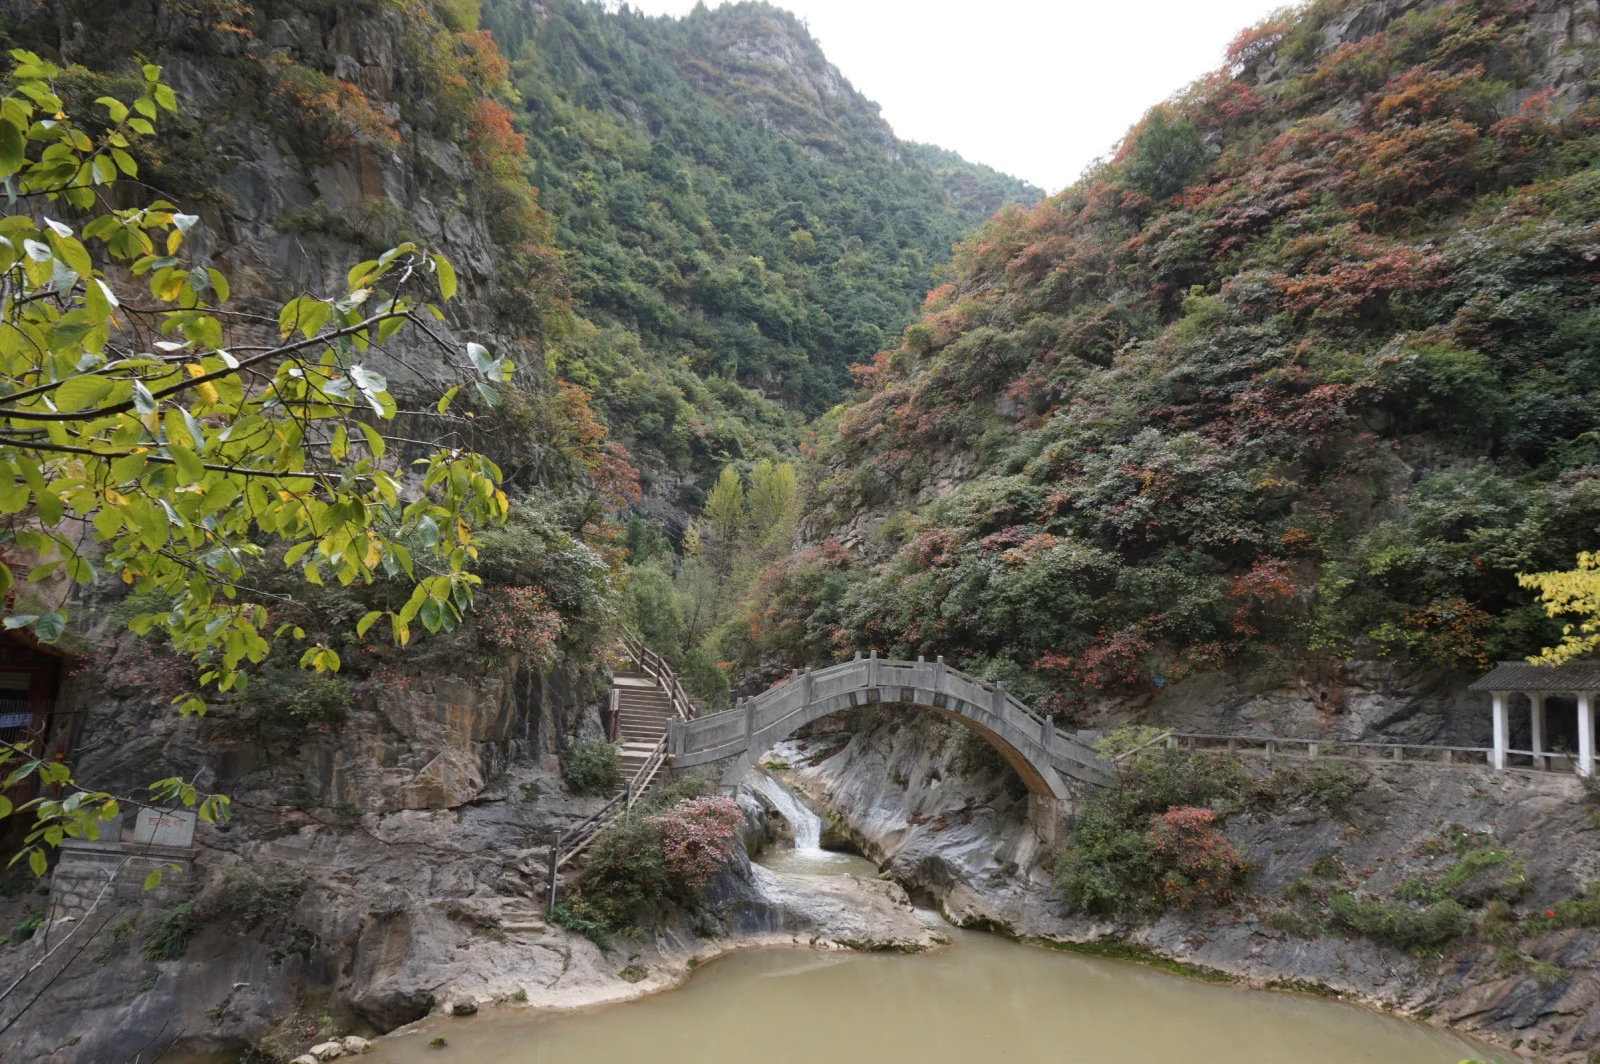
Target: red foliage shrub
(579,437)
(1199,865)
(339,110)
(1412,166)
(1269,584)
(698,835)
(519,620)
(1115,659)
(1287,410)
(1253,44)
(1345,269)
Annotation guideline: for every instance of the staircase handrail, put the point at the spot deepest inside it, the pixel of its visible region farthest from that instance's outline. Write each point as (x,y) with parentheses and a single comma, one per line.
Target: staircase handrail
(1161,738)
(575,840)
(653,664)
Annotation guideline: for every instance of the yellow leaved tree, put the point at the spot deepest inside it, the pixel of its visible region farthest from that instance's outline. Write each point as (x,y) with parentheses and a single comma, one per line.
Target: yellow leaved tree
(1574,592)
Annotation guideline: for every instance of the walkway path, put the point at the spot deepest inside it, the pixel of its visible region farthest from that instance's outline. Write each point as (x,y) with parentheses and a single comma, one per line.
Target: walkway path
(1043,756)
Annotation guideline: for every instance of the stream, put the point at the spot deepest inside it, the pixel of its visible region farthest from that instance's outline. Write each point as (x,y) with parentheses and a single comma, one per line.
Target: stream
(982,998)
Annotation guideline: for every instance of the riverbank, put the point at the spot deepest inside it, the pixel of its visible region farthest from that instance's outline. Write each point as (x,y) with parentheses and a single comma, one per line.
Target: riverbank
(982,998)
(951,828)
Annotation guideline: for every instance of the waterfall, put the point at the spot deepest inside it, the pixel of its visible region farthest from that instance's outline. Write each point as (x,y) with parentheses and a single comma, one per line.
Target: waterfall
(807,825)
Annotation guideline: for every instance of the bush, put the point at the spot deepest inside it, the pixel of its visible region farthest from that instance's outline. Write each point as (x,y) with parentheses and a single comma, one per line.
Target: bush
(1199,866)
(579,916)
(1582,911)
(644,864)
(625,885)
(170,936)
(591,768)
(284,702)
(1400,926)
(244,899)
(705,681)
(698,836)
(1150,841)
(1165,153)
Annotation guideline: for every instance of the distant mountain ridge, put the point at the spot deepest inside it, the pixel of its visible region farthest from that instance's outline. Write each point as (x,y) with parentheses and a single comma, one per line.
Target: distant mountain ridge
(730,210)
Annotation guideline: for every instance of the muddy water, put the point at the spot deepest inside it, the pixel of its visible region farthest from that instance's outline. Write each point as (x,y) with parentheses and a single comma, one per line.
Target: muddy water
(981,999)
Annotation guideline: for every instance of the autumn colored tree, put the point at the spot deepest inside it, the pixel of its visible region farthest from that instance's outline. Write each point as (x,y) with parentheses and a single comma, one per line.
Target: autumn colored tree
(1574,592)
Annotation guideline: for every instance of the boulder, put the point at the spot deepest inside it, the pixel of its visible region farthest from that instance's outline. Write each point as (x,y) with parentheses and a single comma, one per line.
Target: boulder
(304,1058)
(464,1007)
(354,1043)
(328,1050)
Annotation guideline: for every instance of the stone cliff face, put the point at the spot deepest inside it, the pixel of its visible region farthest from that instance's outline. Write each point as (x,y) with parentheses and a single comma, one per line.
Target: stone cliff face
(285,209)
(766,63)
(359,865)
(905,790)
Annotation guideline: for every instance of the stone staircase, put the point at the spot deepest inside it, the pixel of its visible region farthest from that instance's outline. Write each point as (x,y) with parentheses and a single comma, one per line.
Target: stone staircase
(644,708)
(645,698)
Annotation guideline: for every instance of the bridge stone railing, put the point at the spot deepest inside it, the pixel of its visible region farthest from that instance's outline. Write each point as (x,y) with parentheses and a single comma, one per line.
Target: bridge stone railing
(755,724)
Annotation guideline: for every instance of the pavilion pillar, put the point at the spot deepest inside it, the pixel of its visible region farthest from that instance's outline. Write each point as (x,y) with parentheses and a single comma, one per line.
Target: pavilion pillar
(1585,733)
(1502,732)
(1536,727)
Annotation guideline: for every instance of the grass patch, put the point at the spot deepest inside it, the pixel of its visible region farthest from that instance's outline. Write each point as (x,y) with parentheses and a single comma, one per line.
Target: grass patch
(1294,922)
(170,936)
(1302,986)
(1400,926)
(1515,962)
(244,899)
(1124,951)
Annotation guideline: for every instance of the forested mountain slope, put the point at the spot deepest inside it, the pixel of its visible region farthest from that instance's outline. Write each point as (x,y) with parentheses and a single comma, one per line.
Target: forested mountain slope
(731,211)
(1306,372)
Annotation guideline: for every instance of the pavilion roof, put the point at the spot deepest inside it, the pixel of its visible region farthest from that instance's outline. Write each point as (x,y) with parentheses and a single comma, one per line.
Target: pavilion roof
(1521,676)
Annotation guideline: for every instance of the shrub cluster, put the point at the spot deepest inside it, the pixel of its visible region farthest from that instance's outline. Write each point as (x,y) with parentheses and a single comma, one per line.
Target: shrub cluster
(651,860)
(1213,354)
(1152,840)
(591,768)
(244,898)
(1399,925)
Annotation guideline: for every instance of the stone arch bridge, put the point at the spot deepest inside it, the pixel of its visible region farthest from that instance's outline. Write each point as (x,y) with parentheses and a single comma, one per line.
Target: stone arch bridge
(1047,760)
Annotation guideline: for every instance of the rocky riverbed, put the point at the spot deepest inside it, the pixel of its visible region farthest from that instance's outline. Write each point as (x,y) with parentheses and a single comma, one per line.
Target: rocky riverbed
(904,791)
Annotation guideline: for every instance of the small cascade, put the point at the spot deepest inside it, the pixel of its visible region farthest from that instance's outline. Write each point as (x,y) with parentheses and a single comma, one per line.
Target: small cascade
(806,824)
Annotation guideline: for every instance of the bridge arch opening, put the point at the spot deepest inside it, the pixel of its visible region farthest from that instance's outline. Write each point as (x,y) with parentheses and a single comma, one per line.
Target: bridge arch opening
(1030,775)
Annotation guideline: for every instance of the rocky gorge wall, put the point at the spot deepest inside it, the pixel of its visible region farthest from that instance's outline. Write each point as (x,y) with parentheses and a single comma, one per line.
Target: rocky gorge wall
(370,875)
(356,857)
(906,790)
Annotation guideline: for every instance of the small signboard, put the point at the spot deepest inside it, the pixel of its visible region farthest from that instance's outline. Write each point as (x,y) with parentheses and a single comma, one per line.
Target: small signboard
(158,827)
(15,720)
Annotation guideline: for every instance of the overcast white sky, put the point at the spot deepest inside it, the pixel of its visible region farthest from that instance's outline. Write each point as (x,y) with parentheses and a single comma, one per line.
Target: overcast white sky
(1036,88)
